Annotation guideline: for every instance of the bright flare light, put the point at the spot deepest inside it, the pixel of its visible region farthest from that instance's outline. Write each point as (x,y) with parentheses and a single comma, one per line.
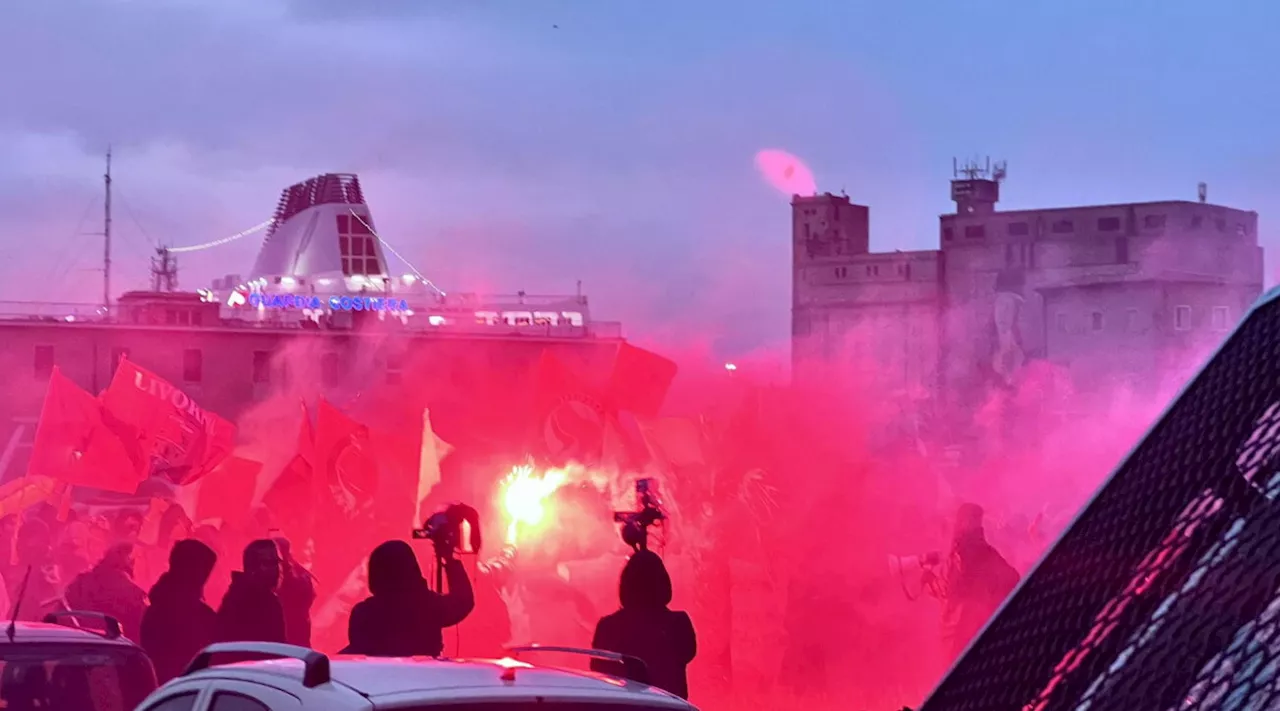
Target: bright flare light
(524,495)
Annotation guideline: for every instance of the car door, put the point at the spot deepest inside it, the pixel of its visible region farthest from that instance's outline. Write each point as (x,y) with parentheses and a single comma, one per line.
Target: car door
(227,695)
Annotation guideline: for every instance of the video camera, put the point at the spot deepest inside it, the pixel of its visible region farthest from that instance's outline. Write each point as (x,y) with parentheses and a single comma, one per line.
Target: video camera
(635,524)
(444,529)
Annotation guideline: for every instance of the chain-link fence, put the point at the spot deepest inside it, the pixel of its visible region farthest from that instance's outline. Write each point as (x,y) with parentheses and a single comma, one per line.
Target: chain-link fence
(1165,592)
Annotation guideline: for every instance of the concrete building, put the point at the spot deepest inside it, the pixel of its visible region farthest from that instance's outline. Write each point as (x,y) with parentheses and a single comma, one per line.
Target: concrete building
(1114,293)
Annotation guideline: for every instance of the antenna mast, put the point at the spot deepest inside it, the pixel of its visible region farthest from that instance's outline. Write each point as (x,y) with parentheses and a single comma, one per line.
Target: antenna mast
(106,235)
(164,271)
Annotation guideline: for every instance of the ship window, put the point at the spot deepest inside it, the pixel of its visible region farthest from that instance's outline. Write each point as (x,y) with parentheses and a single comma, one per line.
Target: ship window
(371,266)
(329,371)
(44,361)
(262,366)
(346,266)
(192,365)
(344,224)
(357,247)
(946,234)
(344,245)
(358,227)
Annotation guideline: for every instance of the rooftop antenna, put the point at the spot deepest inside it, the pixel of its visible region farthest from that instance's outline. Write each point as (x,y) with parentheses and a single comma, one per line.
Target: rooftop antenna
(106,235)
(164,271)
(1202,190)
(17,605)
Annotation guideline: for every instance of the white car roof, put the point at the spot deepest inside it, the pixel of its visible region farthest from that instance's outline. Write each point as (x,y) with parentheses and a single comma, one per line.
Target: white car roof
(393,682)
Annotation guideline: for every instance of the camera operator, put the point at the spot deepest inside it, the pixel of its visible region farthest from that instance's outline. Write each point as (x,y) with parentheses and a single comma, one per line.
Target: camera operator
(644,627)
(403,616)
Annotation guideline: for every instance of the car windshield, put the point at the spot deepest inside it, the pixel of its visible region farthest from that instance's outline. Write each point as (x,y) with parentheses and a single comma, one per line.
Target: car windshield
(73,678)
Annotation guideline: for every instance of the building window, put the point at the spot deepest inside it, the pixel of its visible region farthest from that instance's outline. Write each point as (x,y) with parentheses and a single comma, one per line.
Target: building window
(947,234)
(1122,250)
(1182,318)
(1019,229)
(975,231)
(906,270)
(117,355)
(1131,320)
(1063,227)
(329,371)
(262,366)
(873,271)
(1062,323)
(1153,222)
(1219,318)
(395,367)
(1108,224)
(1095,320)
(44,361)
(192,365)
(356,242)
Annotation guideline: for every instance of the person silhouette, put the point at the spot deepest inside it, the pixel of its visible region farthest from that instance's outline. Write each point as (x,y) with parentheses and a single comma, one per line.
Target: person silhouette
(646,628)
(403,616)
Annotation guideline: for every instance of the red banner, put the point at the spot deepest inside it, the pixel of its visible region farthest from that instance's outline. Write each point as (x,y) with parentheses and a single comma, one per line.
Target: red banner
(570,417)
(180,440)
(640,380)
(227,491)
(74,445)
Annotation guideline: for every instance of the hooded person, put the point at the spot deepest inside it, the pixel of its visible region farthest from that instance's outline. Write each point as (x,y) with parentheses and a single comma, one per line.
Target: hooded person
(403,616)
(645,627)
(297,595)
(974,580)
(251,611)
(108,587)
(179,623)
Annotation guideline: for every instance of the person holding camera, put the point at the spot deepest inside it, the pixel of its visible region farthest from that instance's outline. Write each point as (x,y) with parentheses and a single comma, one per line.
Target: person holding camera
(646,628)
(403,616)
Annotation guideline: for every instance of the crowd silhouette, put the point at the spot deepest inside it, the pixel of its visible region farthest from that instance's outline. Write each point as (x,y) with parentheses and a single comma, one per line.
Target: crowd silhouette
(102,564)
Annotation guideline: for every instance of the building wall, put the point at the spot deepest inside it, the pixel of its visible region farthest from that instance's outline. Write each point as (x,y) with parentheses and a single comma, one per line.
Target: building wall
(1040,250)
(242,367)
(874,316)
(935,317)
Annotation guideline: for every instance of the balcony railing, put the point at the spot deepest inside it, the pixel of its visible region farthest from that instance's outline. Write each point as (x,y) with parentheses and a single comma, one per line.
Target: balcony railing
(292,320)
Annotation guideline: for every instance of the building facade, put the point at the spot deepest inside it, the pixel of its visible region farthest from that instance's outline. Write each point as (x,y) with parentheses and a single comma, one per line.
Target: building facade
(1112,293)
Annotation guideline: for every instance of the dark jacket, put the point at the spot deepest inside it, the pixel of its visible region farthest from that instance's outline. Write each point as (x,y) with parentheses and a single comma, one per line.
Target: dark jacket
(179,624)
(646,629)
(403,617)
(976,580)
(250,613)
(108,588)
(297,595)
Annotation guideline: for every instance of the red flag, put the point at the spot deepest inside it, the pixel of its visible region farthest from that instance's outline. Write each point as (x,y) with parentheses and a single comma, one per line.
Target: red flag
(227,491)
(640,380)
(346,482)
(74,445)
(290,499)
(570,417)
(180,440)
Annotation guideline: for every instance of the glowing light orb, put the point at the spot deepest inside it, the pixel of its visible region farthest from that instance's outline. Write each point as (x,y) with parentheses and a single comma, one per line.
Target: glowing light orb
(786,173)
(524,497)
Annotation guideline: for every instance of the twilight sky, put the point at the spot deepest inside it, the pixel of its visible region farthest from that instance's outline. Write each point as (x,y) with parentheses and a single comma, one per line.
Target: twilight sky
(510,144)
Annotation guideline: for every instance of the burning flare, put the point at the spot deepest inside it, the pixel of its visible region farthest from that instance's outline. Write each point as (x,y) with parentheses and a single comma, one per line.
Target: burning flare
(524,495)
